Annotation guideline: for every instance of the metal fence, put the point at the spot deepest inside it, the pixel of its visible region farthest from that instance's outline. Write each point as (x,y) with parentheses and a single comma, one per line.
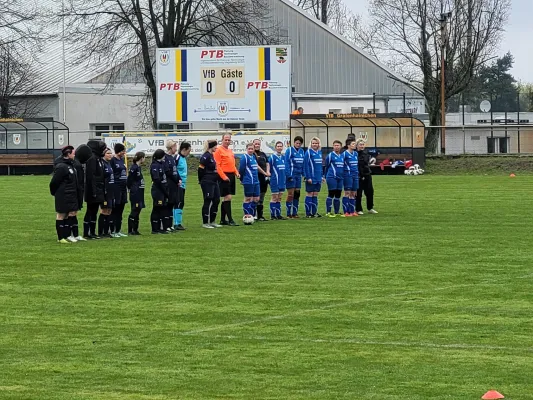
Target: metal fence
(493,139)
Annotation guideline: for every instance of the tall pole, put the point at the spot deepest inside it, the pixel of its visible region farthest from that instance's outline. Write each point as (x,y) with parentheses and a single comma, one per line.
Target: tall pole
(64,63)
(442,85)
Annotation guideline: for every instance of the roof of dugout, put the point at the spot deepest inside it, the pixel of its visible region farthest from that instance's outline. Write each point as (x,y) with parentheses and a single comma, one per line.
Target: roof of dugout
(354,120)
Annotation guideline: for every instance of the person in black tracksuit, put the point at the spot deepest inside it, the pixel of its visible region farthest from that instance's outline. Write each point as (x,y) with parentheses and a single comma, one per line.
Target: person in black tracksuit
(120,188)
(208,180)
(365,180)
(136,187)
(159,192)
(94,187)
(174,182)
(264,177)
(109,196)
(64,187)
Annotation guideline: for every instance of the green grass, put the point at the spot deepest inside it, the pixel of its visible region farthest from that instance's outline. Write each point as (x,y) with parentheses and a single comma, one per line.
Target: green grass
(430,299)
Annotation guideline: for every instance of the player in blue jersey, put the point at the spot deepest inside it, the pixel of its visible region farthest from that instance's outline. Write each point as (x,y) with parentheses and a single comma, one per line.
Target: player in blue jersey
(181,165)
(351,178)
(294,168)
(250,180)
(334,172)
(313,177)
(277,181)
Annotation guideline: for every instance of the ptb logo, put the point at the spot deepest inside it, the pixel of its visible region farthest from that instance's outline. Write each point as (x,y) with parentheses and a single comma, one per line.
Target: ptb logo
(262,85)
(212,54)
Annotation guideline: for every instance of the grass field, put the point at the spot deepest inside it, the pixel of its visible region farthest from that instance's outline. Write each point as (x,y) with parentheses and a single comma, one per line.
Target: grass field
(430,299)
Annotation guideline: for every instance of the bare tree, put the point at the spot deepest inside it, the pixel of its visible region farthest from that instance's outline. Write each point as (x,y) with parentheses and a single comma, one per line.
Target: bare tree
(334,13)
(21,35)
(413,34)
(109,32)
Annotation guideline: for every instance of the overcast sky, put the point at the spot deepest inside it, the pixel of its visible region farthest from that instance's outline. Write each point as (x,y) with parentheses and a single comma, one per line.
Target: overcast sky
(518,38)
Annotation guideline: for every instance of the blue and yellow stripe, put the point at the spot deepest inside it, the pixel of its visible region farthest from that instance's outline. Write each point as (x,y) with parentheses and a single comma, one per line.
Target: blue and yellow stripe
(181,76)
(265,101)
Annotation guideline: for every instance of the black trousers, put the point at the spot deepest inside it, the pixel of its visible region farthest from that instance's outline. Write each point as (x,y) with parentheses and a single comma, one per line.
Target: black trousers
(366,187)
(211,193)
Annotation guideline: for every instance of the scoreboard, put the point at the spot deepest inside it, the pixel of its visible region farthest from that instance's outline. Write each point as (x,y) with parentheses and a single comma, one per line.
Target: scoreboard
(224,84)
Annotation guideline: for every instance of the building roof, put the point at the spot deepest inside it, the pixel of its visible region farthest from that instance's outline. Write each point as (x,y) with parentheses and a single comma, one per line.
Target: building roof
(57,66)
(350,44)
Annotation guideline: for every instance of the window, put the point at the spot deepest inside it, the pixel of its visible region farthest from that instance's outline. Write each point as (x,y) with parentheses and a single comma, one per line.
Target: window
(335,110)
(174,127)
(497,145)
(358,110)
(98,129)
(237,126)
(372,111)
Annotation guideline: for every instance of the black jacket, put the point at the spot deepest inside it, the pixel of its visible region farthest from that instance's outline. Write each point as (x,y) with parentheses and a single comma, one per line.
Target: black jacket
(80,174)
(64,186)
(159,183)
(364,163)
(94,174)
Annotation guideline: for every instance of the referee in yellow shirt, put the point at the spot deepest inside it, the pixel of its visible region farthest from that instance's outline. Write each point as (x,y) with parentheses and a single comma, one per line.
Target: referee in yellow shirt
(227,171)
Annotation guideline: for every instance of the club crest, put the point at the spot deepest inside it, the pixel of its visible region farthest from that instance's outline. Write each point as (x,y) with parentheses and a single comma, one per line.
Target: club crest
(17,138)
(222,108)
(164,57)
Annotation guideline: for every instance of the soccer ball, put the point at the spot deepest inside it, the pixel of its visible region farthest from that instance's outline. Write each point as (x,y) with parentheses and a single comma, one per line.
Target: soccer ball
(248,219)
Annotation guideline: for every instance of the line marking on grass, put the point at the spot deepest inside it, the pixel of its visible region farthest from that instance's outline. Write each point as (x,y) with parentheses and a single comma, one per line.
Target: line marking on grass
(321,308)
(459,346)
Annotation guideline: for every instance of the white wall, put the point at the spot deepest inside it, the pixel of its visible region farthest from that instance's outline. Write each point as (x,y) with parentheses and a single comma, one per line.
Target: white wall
(322,106)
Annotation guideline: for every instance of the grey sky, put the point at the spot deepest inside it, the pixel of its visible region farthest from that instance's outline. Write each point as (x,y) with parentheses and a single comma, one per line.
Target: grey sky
(517,38)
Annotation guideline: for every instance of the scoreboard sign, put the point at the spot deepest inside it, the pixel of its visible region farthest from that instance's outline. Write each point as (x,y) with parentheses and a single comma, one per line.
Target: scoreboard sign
(224,84)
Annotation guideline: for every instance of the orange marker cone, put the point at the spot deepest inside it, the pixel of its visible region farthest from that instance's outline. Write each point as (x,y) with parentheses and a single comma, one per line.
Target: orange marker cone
(492,394)
(512,175)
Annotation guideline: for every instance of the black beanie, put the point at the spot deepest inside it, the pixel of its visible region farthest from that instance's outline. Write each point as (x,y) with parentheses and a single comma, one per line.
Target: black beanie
(159,154)
(83,153)
(119,147)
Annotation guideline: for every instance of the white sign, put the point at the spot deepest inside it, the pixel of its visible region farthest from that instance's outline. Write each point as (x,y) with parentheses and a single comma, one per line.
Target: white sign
(150,142)
(485,106)
(223,84)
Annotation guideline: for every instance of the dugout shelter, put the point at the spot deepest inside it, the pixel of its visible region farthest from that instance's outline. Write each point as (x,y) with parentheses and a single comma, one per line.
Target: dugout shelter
(29,146)
(396,137)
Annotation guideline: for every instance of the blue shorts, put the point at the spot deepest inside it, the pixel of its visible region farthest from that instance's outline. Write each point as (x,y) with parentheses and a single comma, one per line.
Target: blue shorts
(295,182)
(334,183)
(351,183)
(276,186)
(252,190)
(312,187)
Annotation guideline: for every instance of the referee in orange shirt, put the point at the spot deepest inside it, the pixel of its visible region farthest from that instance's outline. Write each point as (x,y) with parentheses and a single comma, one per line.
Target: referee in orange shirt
(227,172)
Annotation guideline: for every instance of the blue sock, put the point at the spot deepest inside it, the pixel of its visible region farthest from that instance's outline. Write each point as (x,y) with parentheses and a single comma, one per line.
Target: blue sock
(253,204)
(178,216)
(308,202)
(352,206)
(346,205)
(295,206)
(315,205)
(288,206)
(337,205)
(272,209)
(329,202)
(278,209)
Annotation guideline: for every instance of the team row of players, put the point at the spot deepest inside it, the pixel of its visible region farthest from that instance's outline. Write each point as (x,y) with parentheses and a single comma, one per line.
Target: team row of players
(106,182)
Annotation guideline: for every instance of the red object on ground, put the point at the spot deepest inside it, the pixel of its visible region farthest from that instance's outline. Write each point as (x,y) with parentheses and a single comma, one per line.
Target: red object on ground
(492,394)
(408,163)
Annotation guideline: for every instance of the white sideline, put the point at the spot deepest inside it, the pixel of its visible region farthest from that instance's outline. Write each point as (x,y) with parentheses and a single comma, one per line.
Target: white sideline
(321,308)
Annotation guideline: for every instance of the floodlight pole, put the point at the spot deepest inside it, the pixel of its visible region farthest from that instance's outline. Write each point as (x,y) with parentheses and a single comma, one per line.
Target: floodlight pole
(64,66)
(443,19)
